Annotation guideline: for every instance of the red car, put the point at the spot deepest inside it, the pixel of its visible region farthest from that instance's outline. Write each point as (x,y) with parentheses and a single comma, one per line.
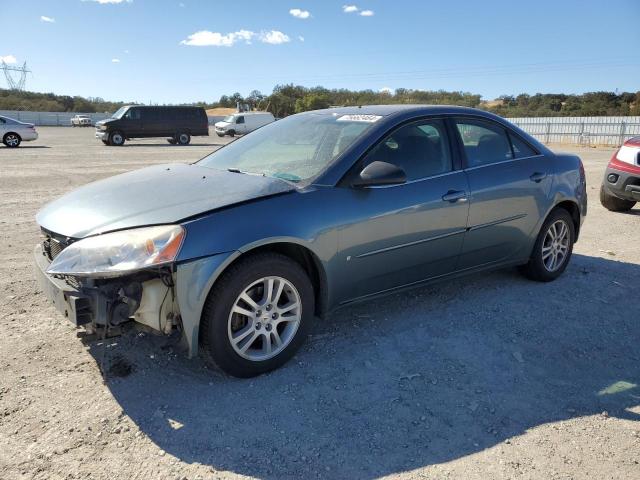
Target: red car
(620,188)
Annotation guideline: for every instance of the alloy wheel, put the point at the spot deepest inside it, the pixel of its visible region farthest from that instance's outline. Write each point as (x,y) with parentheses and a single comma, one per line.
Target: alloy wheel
(264,318)
(555,246)
(12,140)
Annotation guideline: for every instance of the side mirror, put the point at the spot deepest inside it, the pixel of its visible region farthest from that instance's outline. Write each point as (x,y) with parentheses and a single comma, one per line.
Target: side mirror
(380,173)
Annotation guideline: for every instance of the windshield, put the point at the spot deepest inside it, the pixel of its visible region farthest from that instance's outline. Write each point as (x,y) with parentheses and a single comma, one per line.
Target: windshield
(228,119)
(296,148)
(119,112)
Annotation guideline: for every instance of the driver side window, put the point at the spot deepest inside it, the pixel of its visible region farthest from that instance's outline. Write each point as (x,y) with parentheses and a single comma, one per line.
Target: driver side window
(133,114)
(421,149)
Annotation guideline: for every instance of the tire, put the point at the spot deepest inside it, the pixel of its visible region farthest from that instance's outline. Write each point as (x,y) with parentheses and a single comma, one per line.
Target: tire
(538,267)
(105,142)
(116,138)
(183,138)
(12,140)
(220,134)
(219,323)
(614,204)
(172,141)
(231,133)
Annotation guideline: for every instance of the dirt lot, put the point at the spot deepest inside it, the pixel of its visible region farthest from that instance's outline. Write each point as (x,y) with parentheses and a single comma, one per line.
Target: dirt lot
(490,376)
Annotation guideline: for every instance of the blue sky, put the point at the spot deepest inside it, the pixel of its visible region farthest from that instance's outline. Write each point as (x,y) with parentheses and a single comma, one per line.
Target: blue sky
(171,51)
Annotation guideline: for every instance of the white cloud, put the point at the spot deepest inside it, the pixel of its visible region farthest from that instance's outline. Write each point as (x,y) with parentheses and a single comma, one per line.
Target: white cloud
(349,8)
(104,2)
(115,60)
(388,90)
(367,13)
(46,19)
(301,38)
(274,37)
(303,14)
(205,38)
(8,59)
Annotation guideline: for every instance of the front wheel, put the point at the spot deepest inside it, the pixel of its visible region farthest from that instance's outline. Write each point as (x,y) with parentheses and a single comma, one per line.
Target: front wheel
(614,204)
(553,247)
(257,315)
(116,139)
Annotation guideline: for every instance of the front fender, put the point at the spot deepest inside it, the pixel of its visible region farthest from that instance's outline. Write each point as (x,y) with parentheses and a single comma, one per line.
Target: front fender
(194,280)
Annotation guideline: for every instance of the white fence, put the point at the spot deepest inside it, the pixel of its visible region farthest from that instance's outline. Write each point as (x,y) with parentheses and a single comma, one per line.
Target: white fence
(572,130)
(581,130)
(63,119)
(53,119)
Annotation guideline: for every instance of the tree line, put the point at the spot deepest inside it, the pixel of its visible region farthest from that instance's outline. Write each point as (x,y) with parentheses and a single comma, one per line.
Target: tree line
(289,99)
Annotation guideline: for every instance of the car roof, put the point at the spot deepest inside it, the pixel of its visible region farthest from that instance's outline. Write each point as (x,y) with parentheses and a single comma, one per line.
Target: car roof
(635,141)
(388,110)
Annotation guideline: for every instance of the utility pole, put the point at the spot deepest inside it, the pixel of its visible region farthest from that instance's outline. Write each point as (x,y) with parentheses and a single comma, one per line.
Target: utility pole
(8,73)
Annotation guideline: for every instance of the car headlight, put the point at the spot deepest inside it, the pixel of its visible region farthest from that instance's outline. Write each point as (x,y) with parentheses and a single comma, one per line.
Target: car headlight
(103,127)
(118,253)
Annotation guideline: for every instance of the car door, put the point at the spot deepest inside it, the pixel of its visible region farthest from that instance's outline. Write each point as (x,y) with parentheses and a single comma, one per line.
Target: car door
(402,234)
(132,122)
(241,124)
(509,182)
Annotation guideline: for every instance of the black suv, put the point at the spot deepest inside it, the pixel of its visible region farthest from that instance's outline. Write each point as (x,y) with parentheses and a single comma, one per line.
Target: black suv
(179,124)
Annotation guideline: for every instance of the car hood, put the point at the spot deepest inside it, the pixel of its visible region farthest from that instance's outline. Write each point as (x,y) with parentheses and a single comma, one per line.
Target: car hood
(106,120)
(152,196)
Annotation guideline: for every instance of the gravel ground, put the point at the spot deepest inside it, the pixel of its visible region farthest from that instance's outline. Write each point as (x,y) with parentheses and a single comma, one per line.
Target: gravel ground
(491,376)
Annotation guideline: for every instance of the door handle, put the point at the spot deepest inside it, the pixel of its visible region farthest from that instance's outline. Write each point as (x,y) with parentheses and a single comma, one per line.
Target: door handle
(454,196)
(538,177)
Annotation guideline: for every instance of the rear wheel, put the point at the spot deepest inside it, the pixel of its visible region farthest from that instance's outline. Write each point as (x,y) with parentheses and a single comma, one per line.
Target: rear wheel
(614,204)
(183,138)
(12,140)
(553,247)
(257,315)
(116,139)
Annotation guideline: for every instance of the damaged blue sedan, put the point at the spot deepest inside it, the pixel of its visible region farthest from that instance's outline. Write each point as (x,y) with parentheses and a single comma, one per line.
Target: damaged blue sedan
(242,250)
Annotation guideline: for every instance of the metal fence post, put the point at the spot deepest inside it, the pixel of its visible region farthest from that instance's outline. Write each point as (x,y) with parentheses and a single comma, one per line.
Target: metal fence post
(547,132)
(623,129)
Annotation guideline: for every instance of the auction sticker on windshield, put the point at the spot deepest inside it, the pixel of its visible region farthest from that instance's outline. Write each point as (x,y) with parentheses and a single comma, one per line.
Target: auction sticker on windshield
(359,118)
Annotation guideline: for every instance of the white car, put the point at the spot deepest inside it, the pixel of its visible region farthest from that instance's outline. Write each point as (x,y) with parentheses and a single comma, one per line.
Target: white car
(240,123)
(81,121)
(13,132)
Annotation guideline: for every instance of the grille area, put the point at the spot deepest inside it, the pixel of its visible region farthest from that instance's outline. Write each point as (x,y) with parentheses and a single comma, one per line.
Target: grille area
(53,244)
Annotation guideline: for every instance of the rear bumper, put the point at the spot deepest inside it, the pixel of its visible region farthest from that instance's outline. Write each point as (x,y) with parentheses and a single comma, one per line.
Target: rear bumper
(28,136)
(625,184)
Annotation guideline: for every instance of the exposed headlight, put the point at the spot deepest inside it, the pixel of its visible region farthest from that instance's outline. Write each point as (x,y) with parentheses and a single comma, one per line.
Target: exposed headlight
(118,253)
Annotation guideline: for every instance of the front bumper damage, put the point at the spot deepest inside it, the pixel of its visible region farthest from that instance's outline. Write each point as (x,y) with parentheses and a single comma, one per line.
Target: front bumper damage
(146,297)
(163,299)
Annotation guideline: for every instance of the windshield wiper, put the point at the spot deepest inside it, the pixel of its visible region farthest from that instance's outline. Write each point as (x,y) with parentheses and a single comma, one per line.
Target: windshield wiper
(234,170)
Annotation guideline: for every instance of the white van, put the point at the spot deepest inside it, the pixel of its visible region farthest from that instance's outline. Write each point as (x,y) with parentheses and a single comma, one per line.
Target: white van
(240,123)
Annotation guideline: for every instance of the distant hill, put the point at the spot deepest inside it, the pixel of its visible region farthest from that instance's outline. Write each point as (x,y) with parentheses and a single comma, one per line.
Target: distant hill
(288,99)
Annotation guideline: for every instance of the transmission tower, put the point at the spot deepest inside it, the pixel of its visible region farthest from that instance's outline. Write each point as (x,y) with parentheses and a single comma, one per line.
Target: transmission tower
(13,83)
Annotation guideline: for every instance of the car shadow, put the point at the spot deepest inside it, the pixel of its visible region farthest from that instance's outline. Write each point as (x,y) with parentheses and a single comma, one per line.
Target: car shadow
(410,380)
(130,145)
(28,146)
